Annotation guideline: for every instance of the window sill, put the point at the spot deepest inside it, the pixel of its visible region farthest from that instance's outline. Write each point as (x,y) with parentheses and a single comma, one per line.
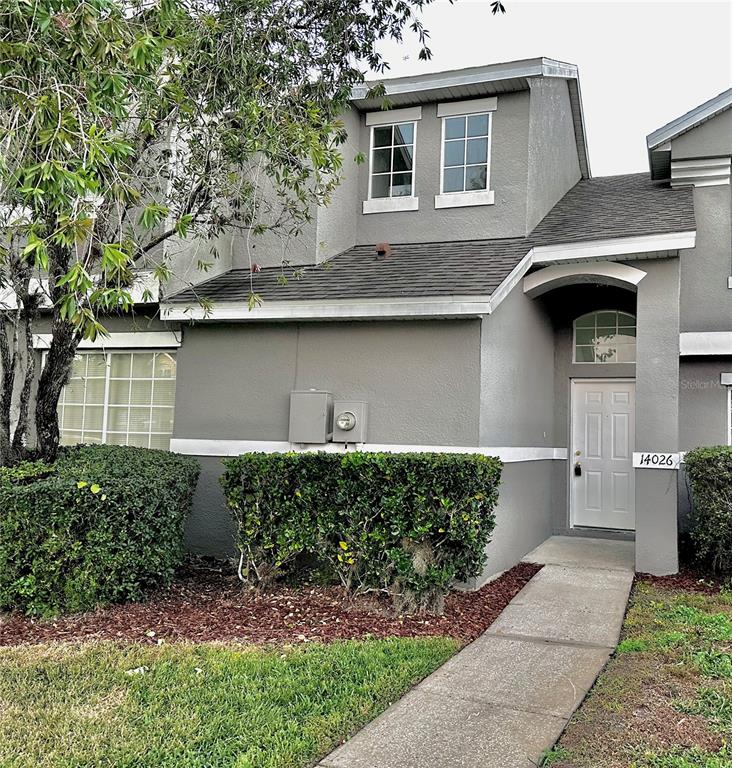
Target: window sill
(391,204)
(464,199)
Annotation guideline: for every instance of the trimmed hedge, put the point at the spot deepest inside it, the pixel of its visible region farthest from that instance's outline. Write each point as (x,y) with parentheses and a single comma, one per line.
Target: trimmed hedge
(407,524)
(709,473)
(106,526)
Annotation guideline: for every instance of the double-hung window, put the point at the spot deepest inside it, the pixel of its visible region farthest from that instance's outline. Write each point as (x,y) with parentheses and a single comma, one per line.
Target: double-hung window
(392,160)
(123,398)
(466,153)
(392,178)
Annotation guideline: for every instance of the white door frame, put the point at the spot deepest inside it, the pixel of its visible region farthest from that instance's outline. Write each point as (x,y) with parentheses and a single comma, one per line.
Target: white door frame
(570,440)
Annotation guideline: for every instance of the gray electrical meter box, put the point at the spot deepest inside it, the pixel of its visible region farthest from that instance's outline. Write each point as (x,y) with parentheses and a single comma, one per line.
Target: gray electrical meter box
(349,421)
(311,416)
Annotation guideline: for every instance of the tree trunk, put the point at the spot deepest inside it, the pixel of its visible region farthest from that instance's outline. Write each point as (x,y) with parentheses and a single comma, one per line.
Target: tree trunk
(53,378)
(64,343)
(7,382)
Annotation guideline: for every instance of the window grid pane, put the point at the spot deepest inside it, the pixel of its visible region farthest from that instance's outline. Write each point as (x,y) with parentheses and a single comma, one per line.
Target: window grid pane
(392,161)
(120,398)
(605,337)
(465,153)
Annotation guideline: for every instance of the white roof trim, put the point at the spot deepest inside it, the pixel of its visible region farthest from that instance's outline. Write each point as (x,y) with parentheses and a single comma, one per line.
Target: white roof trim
(558,275)
(335,309)
(616,246)
(127,340)
(705,343)
(207,447)
(689,120)
(540,67)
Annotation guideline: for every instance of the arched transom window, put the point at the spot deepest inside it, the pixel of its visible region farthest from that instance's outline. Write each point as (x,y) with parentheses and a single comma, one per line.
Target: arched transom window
(607,336)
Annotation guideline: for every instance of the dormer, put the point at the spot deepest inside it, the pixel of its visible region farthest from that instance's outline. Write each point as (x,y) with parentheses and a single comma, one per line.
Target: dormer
(469,154)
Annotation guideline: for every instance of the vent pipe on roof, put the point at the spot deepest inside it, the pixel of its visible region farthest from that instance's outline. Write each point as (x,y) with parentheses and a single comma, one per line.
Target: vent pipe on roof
(383,250)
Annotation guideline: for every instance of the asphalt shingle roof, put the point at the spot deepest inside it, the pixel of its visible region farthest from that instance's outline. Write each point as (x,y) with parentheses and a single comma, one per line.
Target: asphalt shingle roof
(616,206)
(595,209)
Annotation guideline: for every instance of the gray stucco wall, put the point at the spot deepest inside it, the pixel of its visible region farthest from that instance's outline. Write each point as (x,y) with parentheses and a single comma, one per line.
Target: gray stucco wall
(517,380)
(706,301)
(553,163)
(420,379)
(508,179)
(703,413)
(523,515)
(710,139)
(657,415)
(336,222)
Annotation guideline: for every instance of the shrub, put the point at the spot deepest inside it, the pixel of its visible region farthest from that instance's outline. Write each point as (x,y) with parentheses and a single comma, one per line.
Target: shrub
(709,473)
(106,526)
(407,524)
(25,472)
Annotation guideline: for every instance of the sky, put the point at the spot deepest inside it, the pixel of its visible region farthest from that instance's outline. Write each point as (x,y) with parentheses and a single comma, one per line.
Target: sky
(641,64)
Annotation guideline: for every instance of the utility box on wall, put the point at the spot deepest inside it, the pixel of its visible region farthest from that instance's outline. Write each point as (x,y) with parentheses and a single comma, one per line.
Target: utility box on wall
(349,421)
(311,416)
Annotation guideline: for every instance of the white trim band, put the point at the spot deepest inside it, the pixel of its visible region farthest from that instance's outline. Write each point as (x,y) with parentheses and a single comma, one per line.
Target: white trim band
(464,199)
(616,246)
(558,275)
(706,343)
(470,107)
(132,340)
(390,204)
(205,447)
(392,116)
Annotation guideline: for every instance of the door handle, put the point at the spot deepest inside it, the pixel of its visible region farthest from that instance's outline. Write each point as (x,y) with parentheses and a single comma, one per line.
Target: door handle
(577,469)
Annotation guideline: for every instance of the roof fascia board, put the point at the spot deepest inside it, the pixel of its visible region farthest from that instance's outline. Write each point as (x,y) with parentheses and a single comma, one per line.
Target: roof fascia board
(618,246)
(689,120)
(491,73)
(336,309)
(124,340)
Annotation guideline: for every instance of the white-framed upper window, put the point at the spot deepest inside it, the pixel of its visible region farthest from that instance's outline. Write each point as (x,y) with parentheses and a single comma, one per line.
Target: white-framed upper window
(605,336)
(120,397)
(392,160)
(466,153)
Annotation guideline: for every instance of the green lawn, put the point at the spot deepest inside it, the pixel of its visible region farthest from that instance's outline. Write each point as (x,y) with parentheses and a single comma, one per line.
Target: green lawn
(198,705)
(665,699)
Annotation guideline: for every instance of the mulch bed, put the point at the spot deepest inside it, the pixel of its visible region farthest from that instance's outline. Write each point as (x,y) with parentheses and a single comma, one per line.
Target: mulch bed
(206,605)
(687,580)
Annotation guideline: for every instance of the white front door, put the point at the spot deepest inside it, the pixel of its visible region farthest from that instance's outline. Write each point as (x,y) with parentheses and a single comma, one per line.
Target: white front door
(601,476)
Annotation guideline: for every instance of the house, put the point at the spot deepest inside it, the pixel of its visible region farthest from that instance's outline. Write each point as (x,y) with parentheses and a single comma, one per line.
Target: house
(470,288)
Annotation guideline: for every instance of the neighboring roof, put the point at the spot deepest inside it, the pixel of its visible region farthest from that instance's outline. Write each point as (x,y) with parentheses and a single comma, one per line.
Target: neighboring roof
(659,150)
(466,268)
(475,82)
(616,206)
(691,119)
(595,209)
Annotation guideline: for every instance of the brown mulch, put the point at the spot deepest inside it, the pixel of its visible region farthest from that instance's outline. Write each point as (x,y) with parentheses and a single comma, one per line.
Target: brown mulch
(687,579)
(210,605)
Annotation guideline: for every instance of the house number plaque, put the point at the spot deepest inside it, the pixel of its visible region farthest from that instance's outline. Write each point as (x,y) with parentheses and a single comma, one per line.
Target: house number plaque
(645,460)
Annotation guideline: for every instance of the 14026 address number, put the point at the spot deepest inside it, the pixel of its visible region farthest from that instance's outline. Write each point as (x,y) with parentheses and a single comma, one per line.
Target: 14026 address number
(646,460)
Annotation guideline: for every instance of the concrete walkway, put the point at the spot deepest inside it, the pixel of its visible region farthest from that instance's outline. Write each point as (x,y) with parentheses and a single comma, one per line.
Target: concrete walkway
(505,699)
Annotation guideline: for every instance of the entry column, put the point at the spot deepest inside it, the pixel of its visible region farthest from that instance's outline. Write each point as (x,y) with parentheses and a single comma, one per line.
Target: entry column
(657,416)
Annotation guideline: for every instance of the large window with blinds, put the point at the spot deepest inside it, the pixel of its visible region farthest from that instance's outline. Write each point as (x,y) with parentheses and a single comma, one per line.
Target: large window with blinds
(123,398)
